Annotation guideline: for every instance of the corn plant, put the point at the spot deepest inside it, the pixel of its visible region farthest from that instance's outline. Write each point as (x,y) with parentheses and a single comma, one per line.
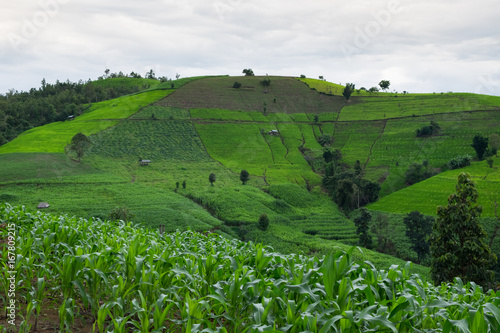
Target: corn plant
(132,279)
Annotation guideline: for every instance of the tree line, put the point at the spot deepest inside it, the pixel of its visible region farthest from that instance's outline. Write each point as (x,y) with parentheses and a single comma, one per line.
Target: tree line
(21,111)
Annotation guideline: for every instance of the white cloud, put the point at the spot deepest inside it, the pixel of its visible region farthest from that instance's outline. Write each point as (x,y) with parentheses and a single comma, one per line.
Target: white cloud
(418,45)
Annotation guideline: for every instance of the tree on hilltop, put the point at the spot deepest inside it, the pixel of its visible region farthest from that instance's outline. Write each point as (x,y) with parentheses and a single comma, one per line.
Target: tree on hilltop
(384,84)
(248,72)
(348,90)
(458,243)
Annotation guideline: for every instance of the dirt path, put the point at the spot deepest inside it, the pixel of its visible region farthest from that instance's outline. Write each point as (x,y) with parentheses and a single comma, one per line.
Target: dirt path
(373,144)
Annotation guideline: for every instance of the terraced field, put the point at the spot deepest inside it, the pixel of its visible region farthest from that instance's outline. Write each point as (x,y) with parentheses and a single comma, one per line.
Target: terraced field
(428,194)
(209,127)
(284,95)
(52,138)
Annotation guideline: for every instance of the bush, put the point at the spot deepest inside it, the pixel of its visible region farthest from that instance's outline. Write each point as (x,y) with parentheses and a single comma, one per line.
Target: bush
(324,139)
(263,223)
(237,85)
(432,129)
(418,172)
(459,162)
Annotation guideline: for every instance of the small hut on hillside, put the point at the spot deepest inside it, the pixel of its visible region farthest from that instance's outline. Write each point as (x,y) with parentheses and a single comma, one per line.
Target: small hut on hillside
(43,205)
(274,132)
(145,162)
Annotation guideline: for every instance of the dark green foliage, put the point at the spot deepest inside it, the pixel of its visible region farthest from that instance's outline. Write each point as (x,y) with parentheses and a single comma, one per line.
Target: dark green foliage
(327,156)
(344,194)
(418,172)
(418,228)
(316,118)
(348,90)
(380,227)
(212,178)
(362,223)
(490,162)
(265,82)
(426,131)
(237,85)
(324,139)
(459,162)
(184,184)
(384,84)
(244,176)
(79,143)
(494,142)
(357,168)
(458,243)
(480,144)
(373,89)
(263,222)
(21,111)
(177,185)
(248,72)
(348,189)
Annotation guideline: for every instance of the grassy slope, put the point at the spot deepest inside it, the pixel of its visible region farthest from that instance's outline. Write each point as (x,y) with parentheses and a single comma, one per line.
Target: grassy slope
(428,194)
(168,132)
(52,138)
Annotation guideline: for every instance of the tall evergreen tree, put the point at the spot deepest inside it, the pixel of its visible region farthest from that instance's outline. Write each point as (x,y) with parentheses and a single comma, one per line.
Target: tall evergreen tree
(418,228)
(458,243)
(362,227)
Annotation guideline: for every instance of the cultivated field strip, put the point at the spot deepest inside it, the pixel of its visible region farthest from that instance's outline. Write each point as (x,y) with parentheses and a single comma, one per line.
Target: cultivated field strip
(119,278)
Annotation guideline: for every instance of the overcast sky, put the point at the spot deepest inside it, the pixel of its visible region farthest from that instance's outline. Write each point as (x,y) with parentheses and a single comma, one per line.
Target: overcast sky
(420,46)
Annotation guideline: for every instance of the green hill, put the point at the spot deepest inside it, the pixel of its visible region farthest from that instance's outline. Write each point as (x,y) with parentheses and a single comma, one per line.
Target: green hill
(203,125)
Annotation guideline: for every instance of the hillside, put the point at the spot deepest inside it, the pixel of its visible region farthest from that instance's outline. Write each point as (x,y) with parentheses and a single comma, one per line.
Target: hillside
(193,127)
(81,275)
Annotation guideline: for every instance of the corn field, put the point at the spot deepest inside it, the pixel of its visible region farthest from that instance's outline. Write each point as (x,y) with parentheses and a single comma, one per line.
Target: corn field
(125,278)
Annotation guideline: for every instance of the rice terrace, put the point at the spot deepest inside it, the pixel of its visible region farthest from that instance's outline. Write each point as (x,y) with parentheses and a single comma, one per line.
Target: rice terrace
(247,204)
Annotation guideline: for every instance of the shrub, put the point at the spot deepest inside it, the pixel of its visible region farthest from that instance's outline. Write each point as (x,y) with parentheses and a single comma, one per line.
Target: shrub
(263,223)
(237,85)
(324,139)
(459,162)
(432,129)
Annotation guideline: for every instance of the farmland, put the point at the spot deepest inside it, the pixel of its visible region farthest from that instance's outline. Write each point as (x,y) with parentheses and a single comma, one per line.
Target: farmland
(203,125)
(119,277)
(428,194)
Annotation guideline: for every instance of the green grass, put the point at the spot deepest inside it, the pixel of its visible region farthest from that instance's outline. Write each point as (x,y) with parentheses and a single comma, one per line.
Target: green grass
(52,138)
(46,168)
(428,194)
(160,112)
(236,146)
(123,107)
(324,86)
(386,107)
(218,114)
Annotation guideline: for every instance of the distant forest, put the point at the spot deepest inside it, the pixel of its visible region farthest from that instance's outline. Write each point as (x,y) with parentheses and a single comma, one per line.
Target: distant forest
(21,111)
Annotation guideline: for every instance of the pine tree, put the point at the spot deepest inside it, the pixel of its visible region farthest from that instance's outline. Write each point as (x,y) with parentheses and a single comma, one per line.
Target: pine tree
(363,225)
(458,244)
